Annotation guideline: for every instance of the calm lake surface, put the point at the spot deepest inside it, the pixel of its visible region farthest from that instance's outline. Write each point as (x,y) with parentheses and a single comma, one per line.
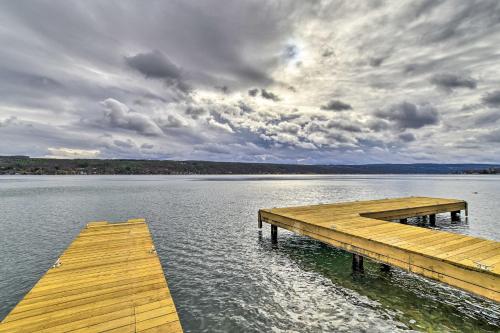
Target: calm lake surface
(224,274)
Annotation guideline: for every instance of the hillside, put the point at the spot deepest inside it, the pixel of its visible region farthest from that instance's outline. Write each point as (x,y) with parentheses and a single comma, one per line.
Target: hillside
(45,166)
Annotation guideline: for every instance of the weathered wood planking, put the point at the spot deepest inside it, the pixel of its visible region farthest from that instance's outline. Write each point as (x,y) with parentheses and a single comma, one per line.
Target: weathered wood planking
(361,227)
(108,280)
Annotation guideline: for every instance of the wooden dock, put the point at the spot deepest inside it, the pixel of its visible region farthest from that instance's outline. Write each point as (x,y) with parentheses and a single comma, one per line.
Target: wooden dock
(364,229)
(108,280)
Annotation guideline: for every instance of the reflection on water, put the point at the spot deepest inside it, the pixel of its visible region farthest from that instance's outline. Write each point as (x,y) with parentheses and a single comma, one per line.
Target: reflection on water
(224,274)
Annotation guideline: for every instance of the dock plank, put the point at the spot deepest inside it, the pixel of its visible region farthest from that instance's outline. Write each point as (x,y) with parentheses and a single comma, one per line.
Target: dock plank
(364,228)
(109,279)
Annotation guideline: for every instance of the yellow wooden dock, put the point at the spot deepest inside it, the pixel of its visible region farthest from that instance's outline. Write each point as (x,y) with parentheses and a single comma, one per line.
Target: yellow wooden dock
(364,229)
(108,280)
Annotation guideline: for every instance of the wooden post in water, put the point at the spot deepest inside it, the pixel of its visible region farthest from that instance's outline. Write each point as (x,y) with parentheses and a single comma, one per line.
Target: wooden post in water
(274,234)
(357,263)
(404,221)
(432,220)
(259,223)
(455,216)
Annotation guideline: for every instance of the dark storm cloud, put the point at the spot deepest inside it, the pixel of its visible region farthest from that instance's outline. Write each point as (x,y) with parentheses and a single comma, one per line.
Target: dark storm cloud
(156,65)
(336,105)
(407,137)
(269,95)
(453,81)
(492,99)
(408,115)
(253,92)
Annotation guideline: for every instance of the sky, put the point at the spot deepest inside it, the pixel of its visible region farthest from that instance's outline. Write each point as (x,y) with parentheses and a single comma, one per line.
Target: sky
(309,82)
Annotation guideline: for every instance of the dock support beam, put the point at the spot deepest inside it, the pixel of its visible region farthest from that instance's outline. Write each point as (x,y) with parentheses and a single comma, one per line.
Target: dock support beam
(357,263)
(274,233)
(432,220)
(404,221)
(455,216)
(259,219)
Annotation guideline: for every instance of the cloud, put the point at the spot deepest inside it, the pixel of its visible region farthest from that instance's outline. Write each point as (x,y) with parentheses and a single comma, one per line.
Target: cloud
(408,115)
(336,105)
(245,108)
(213,148)
(253,92)
(453,81)
(219,126)
(10,120)
(269,95)
(492,99)
(170,121)
(487,117)
(118,115)
(156,65)
(195,111)
(290,128)
(63,152)
(181,79)
(124,144)
(493,136)
(327,53)
(407,137)
(348,126)
(377,61)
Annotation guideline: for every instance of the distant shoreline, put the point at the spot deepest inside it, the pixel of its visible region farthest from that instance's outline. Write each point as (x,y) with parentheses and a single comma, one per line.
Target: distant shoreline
(25,165)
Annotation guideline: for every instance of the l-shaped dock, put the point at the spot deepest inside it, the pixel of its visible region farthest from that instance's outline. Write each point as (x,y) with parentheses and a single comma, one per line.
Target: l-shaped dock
(108,280)
(364,228)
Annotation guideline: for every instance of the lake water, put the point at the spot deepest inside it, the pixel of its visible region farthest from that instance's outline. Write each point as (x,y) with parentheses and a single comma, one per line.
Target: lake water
(224,274)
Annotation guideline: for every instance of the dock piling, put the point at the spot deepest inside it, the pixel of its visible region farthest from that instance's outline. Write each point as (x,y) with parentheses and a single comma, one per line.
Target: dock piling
(274,234)
(455,216)
(357,263)
(432,220)
(403,221)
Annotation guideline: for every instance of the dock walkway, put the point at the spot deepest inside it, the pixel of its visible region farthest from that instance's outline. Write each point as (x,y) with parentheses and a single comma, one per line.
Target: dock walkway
(108,280)
(364,229)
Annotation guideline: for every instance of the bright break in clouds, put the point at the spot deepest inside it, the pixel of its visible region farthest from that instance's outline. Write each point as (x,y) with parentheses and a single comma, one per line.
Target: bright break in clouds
(274,81)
